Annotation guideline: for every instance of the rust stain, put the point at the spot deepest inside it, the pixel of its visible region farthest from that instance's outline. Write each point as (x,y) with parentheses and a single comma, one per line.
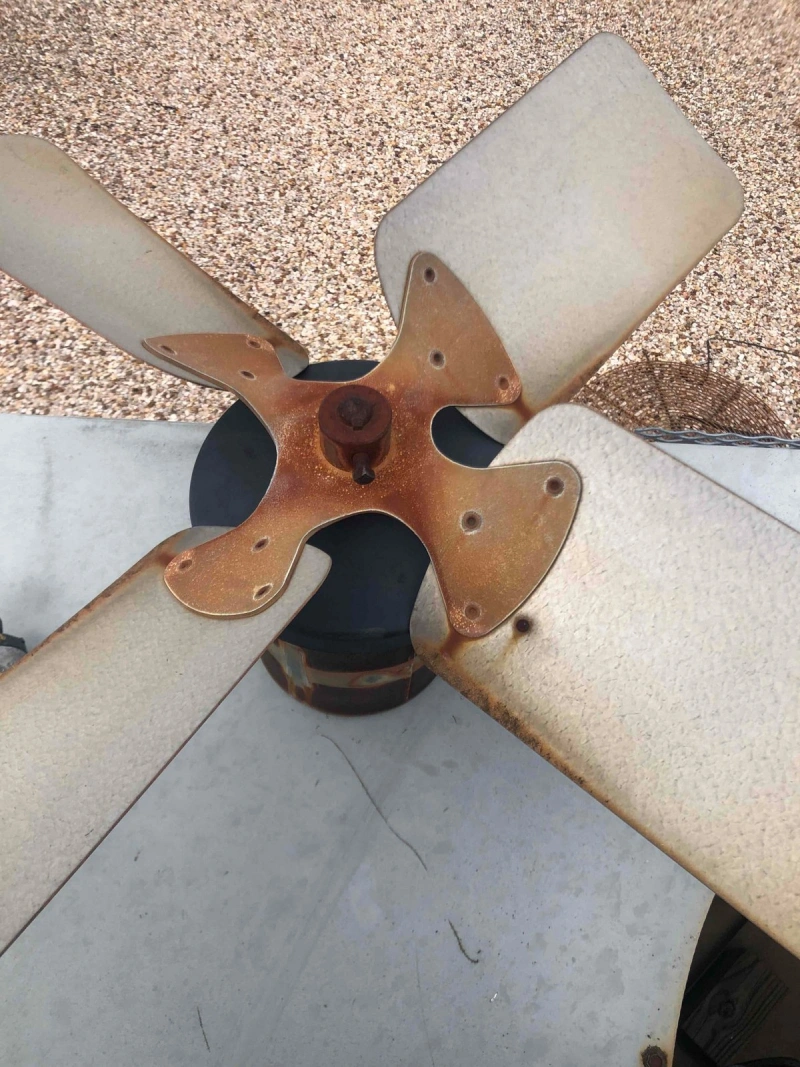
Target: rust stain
(162,556)
(446,657)
(344,692)
(443,660)
(453,644)
(159,558)
(653,1056)
(446,354)
(523,409)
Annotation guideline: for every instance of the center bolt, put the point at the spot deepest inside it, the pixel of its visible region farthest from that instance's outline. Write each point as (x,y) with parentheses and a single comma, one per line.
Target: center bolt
(355,423)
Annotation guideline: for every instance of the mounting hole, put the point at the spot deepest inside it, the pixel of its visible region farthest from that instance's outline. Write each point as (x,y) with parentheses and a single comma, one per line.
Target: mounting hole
(472,611)
(503,383)
(253,343)
(554,486)
(654,1057)
(247,374)
(437,359)
(167,350)
(522,624)
(471,521)
(429,275)
(185,563)
(261,592)
(262,542)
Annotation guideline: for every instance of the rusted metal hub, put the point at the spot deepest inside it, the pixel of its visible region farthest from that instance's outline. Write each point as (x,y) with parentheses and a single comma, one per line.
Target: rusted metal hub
(355,429)
(492,534)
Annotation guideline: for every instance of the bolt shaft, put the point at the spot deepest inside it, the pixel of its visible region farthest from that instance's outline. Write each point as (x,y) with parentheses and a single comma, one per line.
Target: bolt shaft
(363,473)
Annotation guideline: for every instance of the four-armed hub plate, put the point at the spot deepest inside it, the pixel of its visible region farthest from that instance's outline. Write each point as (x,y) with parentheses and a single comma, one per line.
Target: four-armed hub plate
(492,534)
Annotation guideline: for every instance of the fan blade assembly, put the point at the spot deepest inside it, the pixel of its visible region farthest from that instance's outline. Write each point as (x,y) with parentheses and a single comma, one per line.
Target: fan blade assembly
(64,235)
(94,714)
(658,663)
(568,219)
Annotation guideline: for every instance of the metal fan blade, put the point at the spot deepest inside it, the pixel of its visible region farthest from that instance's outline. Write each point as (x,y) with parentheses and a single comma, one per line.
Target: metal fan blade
(568,219)
(658,663)
(94,714)
(64,235)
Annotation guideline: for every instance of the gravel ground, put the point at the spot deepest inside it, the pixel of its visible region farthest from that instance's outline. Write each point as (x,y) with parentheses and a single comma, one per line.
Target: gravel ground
(267,139)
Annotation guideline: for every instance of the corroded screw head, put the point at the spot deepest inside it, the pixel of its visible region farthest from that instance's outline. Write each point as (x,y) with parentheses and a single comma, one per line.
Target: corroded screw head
(654,1057)
(355,423)
(355,412)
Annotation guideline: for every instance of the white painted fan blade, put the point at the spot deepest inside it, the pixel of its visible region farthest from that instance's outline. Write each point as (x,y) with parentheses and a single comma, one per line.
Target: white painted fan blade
(96,712)
(568,219)
(661,667)
(64,235)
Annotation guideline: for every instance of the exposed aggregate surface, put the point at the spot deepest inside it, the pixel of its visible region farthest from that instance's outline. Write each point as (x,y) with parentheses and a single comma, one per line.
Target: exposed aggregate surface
(266,140)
